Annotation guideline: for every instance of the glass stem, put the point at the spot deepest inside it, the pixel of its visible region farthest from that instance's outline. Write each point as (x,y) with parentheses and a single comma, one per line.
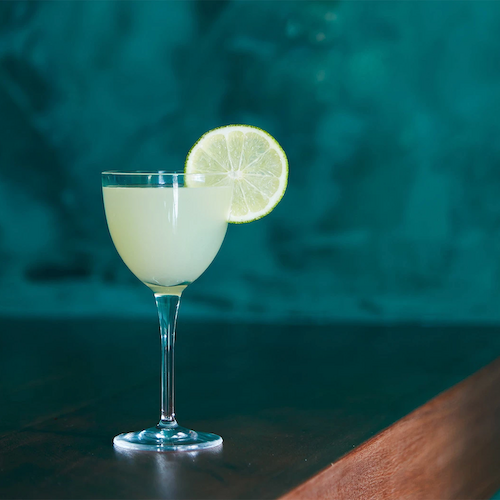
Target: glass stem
(168,306)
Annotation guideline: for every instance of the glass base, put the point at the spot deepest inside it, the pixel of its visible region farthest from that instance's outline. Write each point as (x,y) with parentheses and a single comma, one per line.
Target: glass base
(174,438)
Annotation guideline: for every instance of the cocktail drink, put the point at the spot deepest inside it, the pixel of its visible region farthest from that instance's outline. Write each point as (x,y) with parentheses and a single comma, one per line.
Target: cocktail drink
(168,228)
(167,234)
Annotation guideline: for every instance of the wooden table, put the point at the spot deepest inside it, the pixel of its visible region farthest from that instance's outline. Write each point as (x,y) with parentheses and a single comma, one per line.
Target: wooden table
(305,411)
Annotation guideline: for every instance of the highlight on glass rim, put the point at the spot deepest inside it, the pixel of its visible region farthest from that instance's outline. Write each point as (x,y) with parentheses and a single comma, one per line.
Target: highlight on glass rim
(168,228)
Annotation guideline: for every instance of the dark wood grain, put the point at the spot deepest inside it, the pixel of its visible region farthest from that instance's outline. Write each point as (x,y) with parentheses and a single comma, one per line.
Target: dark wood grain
(288,399)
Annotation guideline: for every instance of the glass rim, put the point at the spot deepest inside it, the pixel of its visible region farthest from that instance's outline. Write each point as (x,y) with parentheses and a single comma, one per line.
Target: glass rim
(154,172)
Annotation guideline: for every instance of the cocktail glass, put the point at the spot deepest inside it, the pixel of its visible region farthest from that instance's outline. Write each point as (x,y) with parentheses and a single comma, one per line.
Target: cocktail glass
(167,228)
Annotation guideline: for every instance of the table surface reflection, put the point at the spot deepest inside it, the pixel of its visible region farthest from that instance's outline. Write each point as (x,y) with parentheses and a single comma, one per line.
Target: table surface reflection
(289,400)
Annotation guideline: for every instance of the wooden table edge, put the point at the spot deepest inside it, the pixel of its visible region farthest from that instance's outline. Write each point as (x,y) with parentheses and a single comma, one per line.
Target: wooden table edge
(447,448)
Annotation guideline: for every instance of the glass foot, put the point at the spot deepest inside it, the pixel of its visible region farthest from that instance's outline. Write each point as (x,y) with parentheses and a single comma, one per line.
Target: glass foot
(175,438)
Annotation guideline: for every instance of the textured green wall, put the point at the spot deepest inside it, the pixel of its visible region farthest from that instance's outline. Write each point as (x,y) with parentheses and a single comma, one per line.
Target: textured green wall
(388,112)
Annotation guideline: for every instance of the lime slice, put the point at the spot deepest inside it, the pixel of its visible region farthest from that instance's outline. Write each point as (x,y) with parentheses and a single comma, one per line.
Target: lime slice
(246,158)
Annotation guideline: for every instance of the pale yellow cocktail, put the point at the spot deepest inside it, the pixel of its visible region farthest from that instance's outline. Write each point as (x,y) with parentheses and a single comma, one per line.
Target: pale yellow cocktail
(167,236)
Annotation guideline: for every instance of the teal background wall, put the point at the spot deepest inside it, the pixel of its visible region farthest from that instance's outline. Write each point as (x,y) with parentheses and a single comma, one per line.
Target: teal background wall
(388,111)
